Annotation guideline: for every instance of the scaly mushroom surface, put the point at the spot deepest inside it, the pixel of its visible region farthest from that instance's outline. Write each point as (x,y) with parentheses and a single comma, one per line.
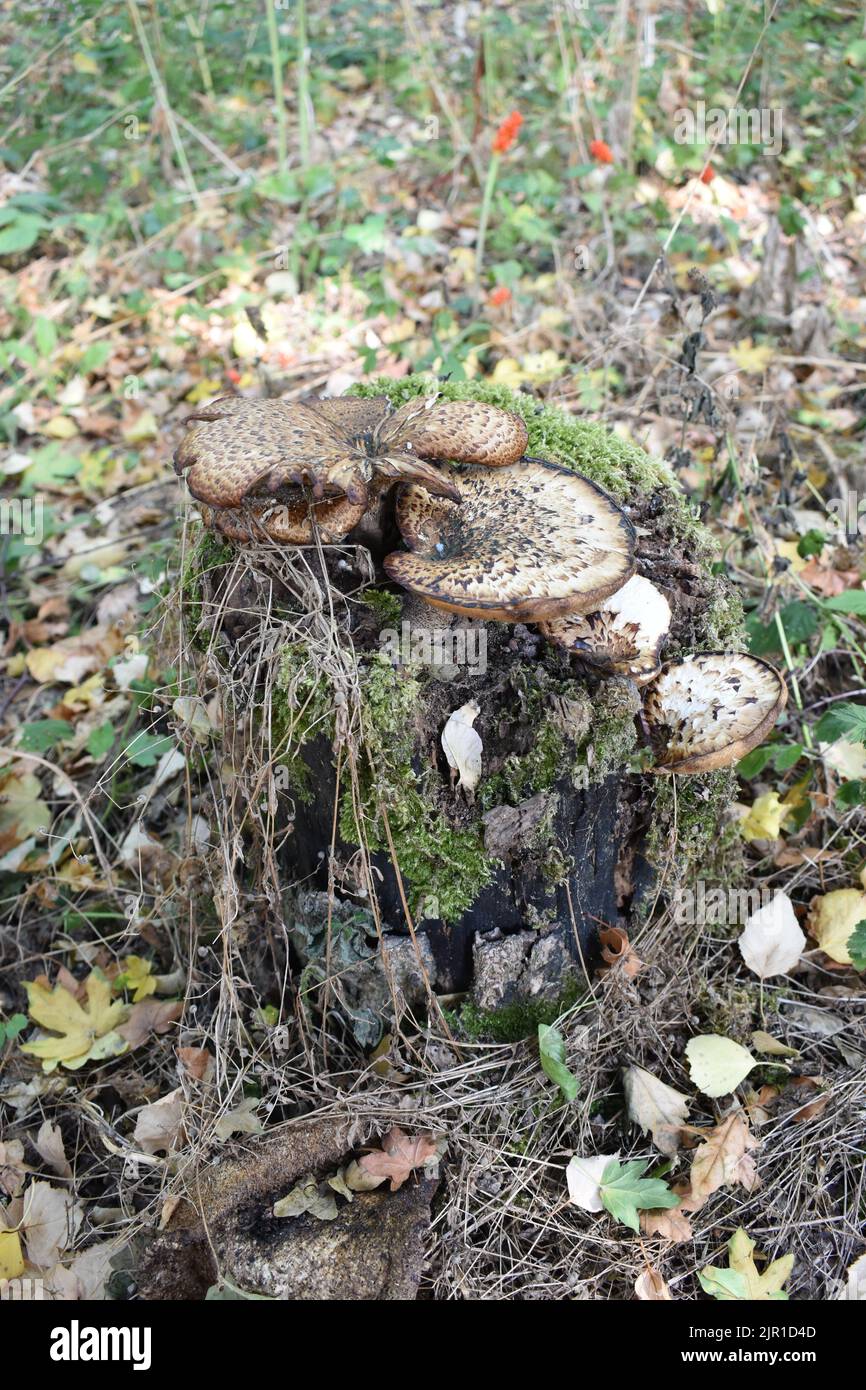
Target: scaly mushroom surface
(237,449)
(527,542)
(625,636)
(710,710)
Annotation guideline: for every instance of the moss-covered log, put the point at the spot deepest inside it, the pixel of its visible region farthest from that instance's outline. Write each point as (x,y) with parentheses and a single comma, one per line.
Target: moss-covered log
(505,889)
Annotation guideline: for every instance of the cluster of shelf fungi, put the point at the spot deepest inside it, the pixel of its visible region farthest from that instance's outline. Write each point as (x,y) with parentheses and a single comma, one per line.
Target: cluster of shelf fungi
(487,533)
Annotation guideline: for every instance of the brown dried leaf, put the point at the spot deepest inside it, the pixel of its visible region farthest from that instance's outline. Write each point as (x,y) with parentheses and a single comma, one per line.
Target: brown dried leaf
(723,1158)
(398,1156)
(650,1287)
(150,1016)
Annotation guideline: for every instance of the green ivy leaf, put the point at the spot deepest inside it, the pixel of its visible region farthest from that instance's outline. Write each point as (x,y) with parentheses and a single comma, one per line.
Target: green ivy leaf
(852,601)
(551,1048)
(624,1192)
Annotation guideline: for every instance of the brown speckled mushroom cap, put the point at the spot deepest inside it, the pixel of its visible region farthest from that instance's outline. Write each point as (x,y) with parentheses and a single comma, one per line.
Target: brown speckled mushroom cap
(332,519)
(528,542)
(238,449)
(626,634)
(710,710)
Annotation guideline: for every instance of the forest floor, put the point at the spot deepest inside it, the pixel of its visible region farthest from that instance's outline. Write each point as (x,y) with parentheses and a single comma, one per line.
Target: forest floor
(164,239)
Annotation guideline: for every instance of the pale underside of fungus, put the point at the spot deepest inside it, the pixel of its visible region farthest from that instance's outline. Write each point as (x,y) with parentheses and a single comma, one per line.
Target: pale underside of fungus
(527,542)
(241,453)
(625,636)
(709,710)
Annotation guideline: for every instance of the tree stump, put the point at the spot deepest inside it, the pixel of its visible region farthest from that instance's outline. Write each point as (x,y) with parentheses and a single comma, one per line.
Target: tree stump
(336,687)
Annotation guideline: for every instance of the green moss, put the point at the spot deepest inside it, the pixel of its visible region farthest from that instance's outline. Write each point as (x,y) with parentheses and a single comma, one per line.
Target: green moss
(613,737)
(206,552)
(524,774)
(443,868)
(512,1022)
(688,829)
(301,709)
(387,607)
(592,449)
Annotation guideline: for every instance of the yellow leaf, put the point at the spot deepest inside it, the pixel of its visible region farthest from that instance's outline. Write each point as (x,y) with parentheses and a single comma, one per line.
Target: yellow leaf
(208,386)
(788,551)
(741,1281)
(86,1031)
(764,819)
(751,359)
(11,1259)
(22,811)
(83,62)
(60,427)
(136,976)
(833,918)
(143,427)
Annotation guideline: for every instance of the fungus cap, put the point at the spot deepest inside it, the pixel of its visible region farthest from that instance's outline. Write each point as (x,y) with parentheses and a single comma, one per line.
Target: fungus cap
(528,541)
(332,519)
(624,636)
(711,709)
(238,449)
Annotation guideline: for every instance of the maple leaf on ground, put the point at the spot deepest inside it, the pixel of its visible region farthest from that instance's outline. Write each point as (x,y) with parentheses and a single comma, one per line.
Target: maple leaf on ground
(13,1169)
(741,1281)
(623,1191)
(49,1146)
(159,1127)
(723,1159)
(398,1156)
(83,1032)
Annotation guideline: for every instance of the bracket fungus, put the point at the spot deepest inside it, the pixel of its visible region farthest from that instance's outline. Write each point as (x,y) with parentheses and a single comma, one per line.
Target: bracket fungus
(527,542)
(624,637)
(710,710)
(241,453)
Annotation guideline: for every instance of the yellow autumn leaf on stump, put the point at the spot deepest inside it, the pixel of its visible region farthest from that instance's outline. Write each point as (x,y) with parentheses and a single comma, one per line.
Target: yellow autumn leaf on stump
(84,1032)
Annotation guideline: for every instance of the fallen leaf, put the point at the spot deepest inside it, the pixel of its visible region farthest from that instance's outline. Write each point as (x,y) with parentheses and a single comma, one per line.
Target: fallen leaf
(159,1127)
(22,811)
(11,1255)
(305,1197)
(672,1225)
(616,950)
(197,1062)
(771,942)
(82,1280)
(551,1051)
(717,1065)
(855,1285)
(583,1176)
(49,1146)
(81,1032)
(398,1156)
(723,1159)
(136,976)
(656,1107)
(13,1169)
(48,1220)
(72,658)
(765,818)
(770,1046)
(148,1017)
(741,1280)
(242,1120)
(832,919)
(650,1287)
(624,1190)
